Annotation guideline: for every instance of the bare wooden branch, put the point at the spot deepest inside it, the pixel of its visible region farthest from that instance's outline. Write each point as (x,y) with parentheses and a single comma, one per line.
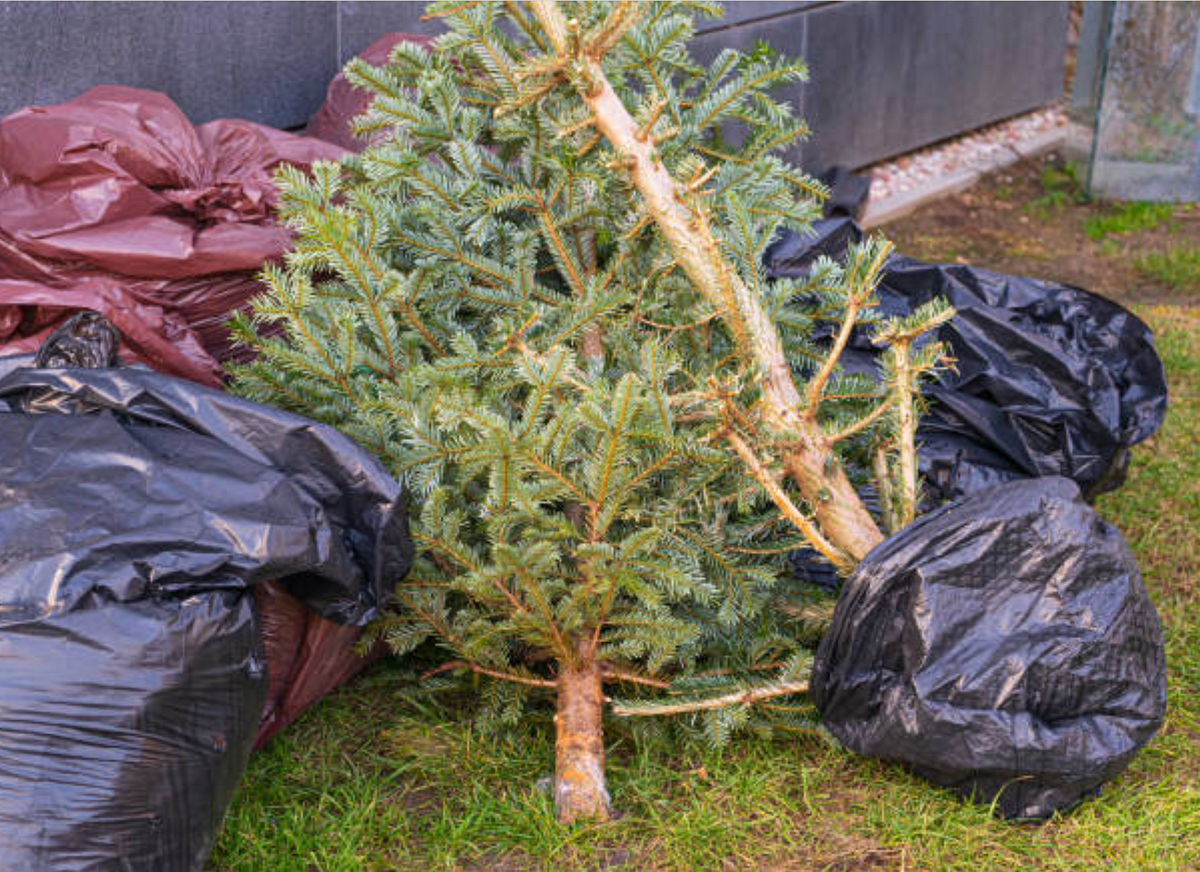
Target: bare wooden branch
(490,673)
(807,528)
(816,387)
(742,697)
(906,421)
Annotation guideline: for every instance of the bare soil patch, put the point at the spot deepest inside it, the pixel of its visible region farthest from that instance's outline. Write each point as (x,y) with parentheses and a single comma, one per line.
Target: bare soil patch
(1031,219)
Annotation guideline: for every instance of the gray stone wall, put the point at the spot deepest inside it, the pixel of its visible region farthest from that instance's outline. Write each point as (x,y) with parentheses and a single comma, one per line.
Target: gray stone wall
(886,77)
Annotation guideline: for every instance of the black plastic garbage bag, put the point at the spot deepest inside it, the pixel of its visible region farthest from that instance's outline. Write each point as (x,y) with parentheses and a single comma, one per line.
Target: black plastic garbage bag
(1051,380)
(1003,646)
(136,511)
(124,731)
(86,340)
(848,192)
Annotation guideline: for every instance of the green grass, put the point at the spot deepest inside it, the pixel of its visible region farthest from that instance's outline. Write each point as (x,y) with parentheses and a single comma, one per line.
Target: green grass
(1127,218)
(1060,186)
(380,778)
(1178,269)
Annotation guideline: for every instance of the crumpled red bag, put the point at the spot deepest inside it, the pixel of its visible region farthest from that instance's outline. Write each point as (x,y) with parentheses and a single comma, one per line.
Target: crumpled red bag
(344,102)
(307,657)
(113,201)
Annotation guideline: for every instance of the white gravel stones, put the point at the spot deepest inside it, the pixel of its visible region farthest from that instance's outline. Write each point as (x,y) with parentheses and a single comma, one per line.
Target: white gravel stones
(907,182)
(995,145)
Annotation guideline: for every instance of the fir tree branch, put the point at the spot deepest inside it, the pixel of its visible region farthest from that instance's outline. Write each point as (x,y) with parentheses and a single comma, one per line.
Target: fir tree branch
(883,484)
(717,673)
(722,156)
(785,549)
(740,697)
(685,227)
(621,17)
(654,468)
(570,270)
(647,127)
(302,327)
(675,328)
(414,319)
(440,627)
(518,335)
(611,674)
(514,12)
(777,141)
(565,652)
(499,62)
(816,387)
(809,530)
(560,477)
(743,88)
(497,580)
(862,423)
(447,549)
(495,279)
(572,377)
(819,614)
(812,190)
(454,10)
(616,437)
(490,673)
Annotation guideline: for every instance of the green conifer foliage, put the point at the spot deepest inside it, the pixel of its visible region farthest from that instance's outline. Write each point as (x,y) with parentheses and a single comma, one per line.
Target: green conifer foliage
(483,298)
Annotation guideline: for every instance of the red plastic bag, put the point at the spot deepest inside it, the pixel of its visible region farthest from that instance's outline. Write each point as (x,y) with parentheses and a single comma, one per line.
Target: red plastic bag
(113,201)
(344,102)
(307,657)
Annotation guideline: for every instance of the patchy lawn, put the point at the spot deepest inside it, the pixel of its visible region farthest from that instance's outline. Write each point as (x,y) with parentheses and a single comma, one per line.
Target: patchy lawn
(1031,219)
(380,777)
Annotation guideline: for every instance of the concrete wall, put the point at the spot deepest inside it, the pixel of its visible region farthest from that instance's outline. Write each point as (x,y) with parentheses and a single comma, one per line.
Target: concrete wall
(889,77)
(265,61)
(886,77)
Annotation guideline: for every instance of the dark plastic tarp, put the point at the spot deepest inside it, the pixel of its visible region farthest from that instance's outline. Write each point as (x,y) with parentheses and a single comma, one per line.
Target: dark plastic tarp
(848,192)
(1003,646)
(1051,379)
(136,513)
(114,202)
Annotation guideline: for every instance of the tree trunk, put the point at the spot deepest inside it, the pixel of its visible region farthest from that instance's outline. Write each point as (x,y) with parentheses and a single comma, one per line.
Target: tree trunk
(838,509)
(579,789)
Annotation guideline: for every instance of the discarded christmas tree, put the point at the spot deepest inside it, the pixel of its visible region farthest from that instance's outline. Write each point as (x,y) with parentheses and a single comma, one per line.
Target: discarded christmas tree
(537,296)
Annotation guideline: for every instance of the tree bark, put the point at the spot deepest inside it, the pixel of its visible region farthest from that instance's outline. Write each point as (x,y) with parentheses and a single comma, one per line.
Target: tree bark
(579,788)
(906,390)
